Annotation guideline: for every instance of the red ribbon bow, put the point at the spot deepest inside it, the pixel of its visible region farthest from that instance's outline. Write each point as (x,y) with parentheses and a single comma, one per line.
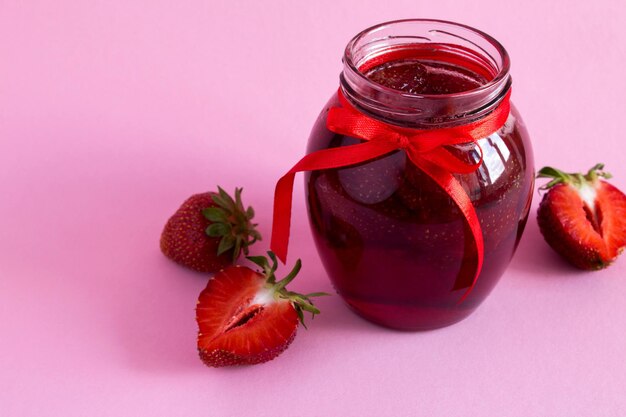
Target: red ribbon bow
(424,148)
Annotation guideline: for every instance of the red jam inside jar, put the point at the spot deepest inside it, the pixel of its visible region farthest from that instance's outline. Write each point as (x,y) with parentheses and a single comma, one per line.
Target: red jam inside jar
(395,245)
(428,69)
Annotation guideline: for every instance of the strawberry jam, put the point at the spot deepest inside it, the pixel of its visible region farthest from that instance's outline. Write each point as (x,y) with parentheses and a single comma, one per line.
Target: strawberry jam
(422,76)
(395,245)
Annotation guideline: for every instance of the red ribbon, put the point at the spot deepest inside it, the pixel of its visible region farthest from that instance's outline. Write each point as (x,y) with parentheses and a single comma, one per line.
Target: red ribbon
(424,148)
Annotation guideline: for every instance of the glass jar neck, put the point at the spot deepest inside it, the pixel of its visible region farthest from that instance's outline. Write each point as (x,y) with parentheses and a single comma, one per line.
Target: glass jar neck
(432,40)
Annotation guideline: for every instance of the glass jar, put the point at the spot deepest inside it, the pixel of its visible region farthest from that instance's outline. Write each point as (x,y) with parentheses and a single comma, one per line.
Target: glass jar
(394,243)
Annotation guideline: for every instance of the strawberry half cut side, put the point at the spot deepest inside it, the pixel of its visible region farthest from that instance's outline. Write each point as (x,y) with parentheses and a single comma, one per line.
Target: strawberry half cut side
(583,217)
(247,317)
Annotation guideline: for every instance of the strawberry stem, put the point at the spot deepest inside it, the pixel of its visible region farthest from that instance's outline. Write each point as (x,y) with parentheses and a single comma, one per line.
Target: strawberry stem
(577,179)
(597,171)
(299,302)
(283,282)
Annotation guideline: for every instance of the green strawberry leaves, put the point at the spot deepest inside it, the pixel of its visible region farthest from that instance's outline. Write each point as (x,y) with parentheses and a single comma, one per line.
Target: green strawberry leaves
(576,179)
(215,214)
(300,302)
(231,222)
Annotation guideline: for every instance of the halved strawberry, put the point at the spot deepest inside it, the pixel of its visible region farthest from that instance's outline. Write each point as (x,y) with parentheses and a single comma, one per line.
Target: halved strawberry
(209,231)
(582,217)
(246,317)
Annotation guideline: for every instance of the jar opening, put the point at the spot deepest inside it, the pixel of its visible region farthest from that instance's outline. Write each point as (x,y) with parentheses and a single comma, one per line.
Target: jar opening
(481,64)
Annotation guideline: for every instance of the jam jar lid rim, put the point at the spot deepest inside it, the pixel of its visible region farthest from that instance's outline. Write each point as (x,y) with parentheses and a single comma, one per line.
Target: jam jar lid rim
(501,76)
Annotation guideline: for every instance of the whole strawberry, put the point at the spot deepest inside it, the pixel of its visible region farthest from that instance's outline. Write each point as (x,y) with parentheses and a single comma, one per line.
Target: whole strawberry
(209,231)
(582,217)
(246,317)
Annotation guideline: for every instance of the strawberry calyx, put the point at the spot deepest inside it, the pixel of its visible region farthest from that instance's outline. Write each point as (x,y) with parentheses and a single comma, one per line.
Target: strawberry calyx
(576,179)
(231,222)
(277,290)
(585,185)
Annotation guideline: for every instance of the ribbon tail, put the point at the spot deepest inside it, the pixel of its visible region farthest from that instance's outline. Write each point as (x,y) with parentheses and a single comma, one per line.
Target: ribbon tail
(454,189)
(323,159)
(283,196)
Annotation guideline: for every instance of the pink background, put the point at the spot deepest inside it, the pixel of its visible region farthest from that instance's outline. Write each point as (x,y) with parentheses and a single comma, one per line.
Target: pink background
(112,113)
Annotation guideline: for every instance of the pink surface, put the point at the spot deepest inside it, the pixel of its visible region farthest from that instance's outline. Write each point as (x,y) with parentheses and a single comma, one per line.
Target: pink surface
(112,113)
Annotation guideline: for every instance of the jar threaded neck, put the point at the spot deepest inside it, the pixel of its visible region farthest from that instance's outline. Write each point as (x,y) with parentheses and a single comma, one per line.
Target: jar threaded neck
(439,40)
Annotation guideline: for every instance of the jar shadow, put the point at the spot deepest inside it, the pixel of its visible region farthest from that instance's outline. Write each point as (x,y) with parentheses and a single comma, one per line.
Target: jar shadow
(538,260)
(337,316)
